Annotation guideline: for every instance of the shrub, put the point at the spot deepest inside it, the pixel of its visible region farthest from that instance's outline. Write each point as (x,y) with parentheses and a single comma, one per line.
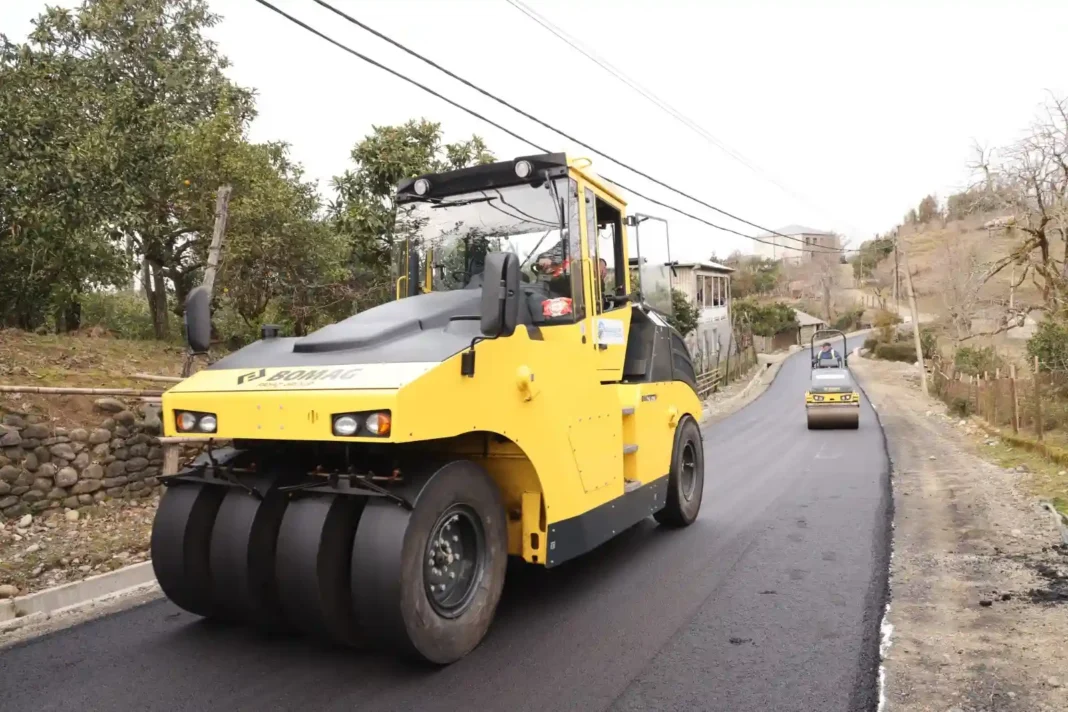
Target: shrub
(885,321)
(870,343)
(848,320)
(124,314)
(962,407)
(976,359)
(896,352)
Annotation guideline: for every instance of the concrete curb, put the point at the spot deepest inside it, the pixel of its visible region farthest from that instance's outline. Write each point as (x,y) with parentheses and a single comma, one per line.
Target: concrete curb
(16,612)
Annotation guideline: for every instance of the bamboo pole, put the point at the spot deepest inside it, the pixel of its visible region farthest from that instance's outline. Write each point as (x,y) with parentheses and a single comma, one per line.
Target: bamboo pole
(161,379)
(48,390)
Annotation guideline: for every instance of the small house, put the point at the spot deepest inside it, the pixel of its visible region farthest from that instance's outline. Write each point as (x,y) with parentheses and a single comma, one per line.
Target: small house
(707,285)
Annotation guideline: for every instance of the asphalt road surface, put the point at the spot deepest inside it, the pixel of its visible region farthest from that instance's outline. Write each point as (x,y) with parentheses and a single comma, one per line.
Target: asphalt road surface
(770,601)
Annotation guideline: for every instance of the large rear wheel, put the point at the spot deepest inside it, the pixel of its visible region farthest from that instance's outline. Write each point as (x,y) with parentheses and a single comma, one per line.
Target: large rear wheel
(428,581)
(686,481)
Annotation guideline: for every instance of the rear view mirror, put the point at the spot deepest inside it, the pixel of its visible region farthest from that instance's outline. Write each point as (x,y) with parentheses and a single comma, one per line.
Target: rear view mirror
(500,295)
(198,320)
(415,279)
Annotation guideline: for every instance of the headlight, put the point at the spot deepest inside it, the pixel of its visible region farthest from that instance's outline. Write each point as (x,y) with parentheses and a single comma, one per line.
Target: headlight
(847,396)
(817,398)
(345,425)
(375,424)
(523,169)
(422,186)
(191,421)
(378,423)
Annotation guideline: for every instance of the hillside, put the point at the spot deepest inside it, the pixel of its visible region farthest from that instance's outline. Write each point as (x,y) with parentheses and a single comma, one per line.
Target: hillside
(80,361)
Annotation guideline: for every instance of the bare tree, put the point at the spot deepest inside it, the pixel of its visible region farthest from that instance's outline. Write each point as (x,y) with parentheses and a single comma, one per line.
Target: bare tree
(964,277)
(824,265)
(1031,183)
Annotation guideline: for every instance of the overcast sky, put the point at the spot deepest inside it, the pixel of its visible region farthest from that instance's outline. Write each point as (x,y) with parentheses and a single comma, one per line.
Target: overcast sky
(857,108)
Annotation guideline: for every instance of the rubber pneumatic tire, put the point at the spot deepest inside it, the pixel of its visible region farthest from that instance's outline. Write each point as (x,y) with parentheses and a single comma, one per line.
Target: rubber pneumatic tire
(388,587)
(687,477)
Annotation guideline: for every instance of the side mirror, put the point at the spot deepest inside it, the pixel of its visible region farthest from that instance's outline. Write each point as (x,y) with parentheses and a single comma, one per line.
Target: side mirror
(415,279)
(500,295)
(198,319)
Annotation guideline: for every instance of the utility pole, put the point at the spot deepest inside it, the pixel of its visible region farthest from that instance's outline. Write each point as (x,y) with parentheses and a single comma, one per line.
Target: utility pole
(915,318)
(897,279)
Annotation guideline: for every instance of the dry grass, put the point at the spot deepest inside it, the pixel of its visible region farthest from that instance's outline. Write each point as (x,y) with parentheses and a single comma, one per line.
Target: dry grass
(78,361)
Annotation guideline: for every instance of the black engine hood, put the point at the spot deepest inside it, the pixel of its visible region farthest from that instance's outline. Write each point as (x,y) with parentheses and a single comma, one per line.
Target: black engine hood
(421,329)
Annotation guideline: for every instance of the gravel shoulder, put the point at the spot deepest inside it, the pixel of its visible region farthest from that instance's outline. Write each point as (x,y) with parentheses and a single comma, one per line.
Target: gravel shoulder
(57,547)
(978,579)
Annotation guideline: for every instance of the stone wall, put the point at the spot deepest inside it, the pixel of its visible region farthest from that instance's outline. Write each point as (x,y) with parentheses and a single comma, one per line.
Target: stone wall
(44,467)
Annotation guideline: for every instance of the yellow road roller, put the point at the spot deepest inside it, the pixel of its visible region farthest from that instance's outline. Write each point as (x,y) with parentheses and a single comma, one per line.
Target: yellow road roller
(832,400)
(366,483)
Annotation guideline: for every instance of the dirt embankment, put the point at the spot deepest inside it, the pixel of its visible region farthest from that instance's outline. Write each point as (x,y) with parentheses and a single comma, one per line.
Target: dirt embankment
(979,578)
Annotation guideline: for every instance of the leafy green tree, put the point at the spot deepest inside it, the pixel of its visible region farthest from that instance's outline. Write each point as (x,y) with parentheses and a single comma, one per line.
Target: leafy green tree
(684,315)
(55,236)
(165,106)
(278,248)
(1050,343)
(928,209)
(754,275)
(363,210)
(764,319)
(869,255)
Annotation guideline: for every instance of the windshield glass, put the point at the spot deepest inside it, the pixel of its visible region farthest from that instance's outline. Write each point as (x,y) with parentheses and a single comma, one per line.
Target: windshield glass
(459,230)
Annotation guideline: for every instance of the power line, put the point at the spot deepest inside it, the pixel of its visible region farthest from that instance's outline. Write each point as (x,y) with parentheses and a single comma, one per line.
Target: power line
(660,103)
(618,74)
(511,133)
(552,128)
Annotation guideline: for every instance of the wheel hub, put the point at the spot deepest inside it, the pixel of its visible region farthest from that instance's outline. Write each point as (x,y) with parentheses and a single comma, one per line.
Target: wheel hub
(688,472)
(454,560)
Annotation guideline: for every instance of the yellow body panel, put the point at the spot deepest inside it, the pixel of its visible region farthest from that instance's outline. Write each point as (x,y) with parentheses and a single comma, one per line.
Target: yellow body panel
(555,399)
(832,398)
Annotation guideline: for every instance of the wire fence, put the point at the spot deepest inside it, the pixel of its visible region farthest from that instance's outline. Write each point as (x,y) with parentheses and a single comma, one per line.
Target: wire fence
(1032,402)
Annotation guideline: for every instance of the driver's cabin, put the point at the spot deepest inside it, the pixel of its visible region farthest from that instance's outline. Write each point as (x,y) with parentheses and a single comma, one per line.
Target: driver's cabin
(566,225)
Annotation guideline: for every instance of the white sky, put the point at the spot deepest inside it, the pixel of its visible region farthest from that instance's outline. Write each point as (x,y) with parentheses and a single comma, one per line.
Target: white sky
(862,107)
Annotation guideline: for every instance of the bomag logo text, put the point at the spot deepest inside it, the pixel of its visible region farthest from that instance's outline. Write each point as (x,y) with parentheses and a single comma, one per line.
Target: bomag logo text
(297,375)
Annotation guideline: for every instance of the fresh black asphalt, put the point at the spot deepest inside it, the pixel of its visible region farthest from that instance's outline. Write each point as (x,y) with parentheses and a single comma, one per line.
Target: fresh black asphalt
(770,601)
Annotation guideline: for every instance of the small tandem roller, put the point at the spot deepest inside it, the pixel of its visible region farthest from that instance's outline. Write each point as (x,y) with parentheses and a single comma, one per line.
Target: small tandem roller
(832,400)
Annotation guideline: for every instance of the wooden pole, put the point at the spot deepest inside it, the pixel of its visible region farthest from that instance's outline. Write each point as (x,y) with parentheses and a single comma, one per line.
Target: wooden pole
(1015,399)
(981,397)
(993,397)
(161,379)
(45,390)
(222,212)
(915,317)
(1038,403)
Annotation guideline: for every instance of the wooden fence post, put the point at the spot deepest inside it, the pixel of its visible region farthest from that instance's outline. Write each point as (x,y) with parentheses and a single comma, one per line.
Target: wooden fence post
(1015,399)
(993,398)
(1038,403)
